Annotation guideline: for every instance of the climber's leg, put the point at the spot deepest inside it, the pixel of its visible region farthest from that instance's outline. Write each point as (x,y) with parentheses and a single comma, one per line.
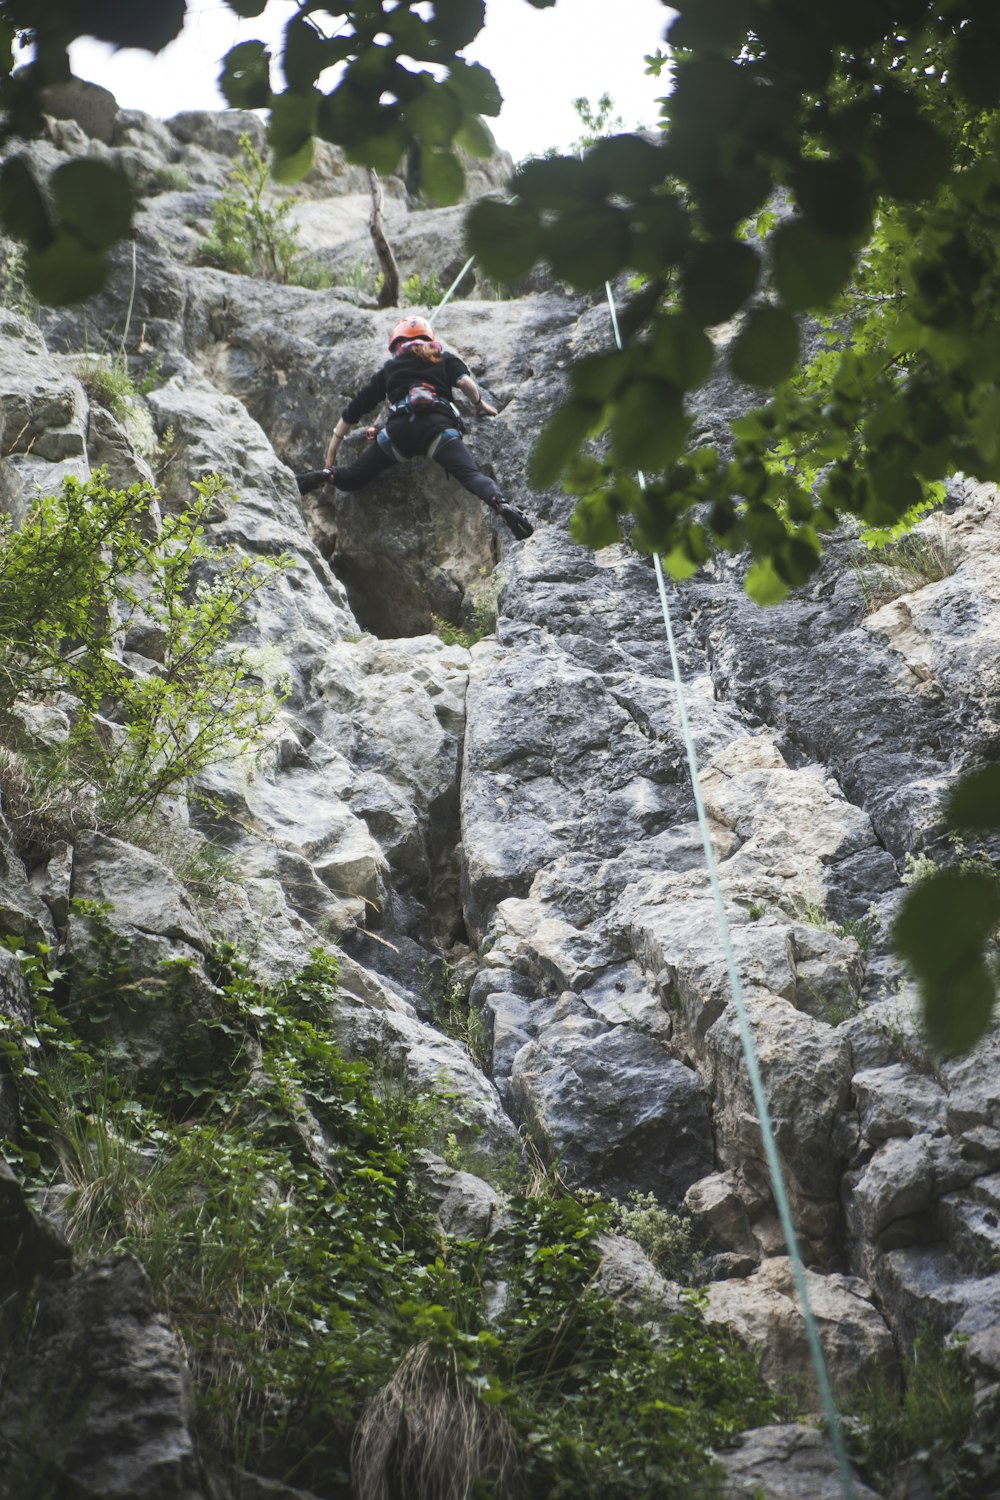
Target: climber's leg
(455,458)
(372,462)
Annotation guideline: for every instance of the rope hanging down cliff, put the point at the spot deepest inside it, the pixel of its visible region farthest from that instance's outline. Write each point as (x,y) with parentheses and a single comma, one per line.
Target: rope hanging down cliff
(746,1035)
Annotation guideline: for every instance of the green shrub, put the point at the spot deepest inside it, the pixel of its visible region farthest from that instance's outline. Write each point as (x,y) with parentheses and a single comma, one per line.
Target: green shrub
(71,577)
(272,1199)
(172,178)
(107,381)
(248,235)
(418,291)
(930,1422)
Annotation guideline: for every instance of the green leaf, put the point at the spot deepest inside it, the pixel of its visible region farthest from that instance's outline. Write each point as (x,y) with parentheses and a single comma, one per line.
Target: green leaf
(597,377)
(306,53)
(912,158)
(475,86)
(442,176)
(474,137)
(763,584)
(648,424)
(710,25)
(680,351)
(456,23)
(383,151)
(767,346)
(293,168)
(679,565)
(93,200)
(594,522)
(976,69)
(292,123)
(833,195)
(809,268)
(150,27)
(627,165)
(661,233)
(957,1014)
(560,439)
(505,237)
(975,801)
(245,79)
(65,271)
(434,115)
(552,183)
(717,278)
(588,246)
(941,931)
(22,208)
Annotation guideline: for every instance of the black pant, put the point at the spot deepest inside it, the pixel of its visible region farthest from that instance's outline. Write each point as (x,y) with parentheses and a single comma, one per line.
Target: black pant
(413,436)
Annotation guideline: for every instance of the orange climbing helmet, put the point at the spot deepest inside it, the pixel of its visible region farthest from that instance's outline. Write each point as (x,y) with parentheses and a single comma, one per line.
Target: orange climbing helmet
(409,328)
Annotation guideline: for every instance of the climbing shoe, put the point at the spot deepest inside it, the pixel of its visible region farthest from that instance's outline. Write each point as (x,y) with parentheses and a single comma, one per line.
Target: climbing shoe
(313,480)
(516,520)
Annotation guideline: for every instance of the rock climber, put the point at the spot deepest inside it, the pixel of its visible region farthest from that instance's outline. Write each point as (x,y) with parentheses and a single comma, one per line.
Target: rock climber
(417,381)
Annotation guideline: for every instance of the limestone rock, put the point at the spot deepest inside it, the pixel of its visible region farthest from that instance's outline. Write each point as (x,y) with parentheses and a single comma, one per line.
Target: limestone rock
(416,1058)
(465,1205)
(627,1275)
(763,1311)
(102,1404)
(784,1463)
(92,107)
(614,1108)
(718,1204)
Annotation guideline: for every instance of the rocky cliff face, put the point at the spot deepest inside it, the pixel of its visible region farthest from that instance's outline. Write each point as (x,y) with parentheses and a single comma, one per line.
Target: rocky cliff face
(522,808)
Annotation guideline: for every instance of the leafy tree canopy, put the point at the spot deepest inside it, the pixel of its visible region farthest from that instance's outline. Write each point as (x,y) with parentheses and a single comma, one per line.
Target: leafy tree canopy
(404,86)
(838,161)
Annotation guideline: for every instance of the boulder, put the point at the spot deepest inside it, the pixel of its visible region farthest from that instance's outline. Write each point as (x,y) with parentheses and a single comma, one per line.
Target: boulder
(100,1408)
(92,107)
(786,1462)
(763,1312)
(614,1108)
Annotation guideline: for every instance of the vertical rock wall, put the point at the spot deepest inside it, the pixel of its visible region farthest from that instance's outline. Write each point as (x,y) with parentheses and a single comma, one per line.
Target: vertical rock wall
(524,807)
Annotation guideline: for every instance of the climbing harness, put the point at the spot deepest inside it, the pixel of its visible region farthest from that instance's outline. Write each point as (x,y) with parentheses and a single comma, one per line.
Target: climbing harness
(782,1204)
(385,442)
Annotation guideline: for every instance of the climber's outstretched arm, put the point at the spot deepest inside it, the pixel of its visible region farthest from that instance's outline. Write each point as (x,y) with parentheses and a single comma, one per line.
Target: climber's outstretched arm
(469,388)
(339,433)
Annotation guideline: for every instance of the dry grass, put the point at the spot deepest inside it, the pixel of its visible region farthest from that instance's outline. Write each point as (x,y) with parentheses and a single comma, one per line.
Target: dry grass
(428,1436)
(42,811)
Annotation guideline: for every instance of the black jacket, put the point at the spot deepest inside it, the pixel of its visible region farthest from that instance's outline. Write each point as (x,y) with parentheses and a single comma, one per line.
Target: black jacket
(392,382)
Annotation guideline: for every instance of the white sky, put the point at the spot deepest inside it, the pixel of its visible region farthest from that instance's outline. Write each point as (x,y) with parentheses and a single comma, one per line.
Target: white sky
(541,59)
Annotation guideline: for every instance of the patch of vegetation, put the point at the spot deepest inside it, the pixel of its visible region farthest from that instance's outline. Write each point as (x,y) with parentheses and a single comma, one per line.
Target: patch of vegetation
(447,997)
(271,1194)
(72,576)
(107,382)
(928,1426)
(254,236)
(482,605)
(864,930)
(903,566)
(419,291)
(172,178)
(667,1238)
